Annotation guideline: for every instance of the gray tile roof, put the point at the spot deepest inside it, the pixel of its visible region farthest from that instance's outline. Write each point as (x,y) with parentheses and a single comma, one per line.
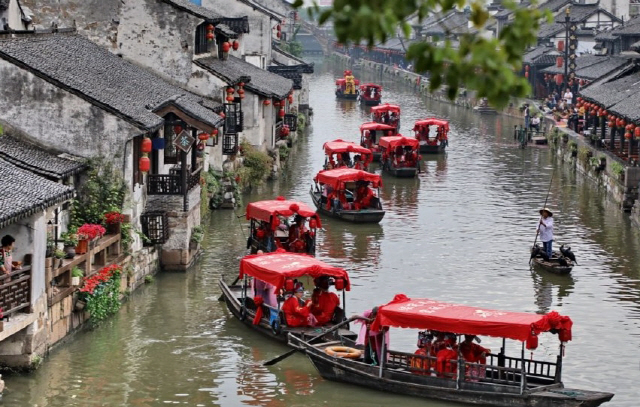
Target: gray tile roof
(237,24)
(261,81)
(35,159)
(79,66)
(592,67)
(195,10)
(293,57)
(25,193)
(547,30)
(262,9)
(554,5)
(533,54)
(578,12)
(620,95)
(286,72)
(630,28)
(453,22)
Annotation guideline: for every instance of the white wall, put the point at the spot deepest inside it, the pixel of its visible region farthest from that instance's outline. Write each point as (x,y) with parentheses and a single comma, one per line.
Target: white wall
(12,16)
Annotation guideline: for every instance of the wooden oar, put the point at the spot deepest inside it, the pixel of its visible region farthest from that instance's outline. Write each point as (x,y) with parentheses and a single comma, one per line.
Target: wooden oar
(543,206)
(291,352)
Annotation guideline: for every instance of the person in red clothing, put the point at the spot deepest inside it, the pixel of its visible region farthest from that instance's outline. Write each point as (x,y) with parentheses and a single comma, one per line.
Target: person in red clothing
(446,365)
(297,235)
(324,302)
(422,366)
(364,194)
(295,309)
(474,353)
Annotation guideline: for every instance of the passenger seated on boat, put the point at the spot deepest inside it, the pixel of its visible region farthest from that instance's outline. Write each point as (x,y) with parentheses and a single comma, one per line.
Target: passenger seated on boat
(297,312)
(364,194)
(422,366)
(367,139)
(324,302)
(474,353)
(438,343)
(393,119)
(340,162)
(358,164)
(446,363)
(297,235)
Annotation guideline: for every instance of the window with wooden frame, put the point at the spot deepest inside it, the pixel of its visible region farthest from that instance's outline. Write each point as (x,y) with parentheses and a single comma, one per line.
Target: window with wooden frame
(170,151)
(202,45)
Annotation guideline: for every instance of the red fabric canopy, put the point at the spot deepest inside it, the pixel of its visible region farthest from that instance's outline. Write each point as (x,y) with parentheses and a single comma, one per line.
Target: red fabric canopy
(370,85)
(336,178)
(375,126)
(340,146)
(431,122)
(264,210)
(398,141)
(275,268)
(340,81)
(385,108)
(424,313)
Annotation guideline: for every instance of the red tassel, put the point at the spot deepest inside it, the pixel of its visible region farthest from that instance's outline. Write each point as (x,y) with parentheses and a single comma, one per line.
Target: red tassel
(258,301)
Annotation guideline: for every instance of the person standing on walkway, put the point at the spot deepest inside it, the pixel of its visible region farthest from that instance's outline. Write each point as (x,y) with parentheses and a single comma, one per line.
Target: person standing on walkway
(527,116)
(545,228)
(568,97)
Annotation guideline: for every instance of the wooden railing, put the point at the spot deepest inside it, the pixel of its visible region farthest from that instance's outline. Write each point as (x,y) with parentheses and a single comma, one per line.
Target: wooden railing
(15,291)
(171,184)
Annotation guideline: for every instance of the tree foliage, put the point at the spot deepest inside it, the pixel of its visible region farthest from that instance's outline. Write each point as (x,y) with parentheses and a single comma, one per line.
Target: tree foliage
(486,64)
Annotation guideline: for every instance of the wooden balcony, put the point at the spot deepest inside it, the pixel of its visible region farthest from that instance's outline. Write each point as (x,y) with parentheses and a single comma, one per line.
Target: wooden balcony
(171,184)
(15,291)
(105,251)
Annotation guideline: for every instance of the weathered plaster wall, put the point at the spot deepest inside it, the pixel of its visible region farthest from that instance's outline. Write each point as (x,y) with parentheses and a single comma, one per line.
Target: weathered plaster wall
(59,119)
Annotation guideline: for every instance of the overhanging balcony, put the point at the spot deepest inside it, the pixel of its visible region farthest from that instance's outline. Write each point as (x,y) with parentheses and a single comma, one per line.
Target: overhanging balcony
(171,184)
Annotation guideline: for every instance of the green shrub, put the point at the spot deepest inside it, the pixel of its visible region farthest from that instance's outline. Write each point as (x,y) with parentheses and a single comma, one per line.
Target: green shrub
(256,166)
(284,152)
(617,168)
(197,234)
(77,272)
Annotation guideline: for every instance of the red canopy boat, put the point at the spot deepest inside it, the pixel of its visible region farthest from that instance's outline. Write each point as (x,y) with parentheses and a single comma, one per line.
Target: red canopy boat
(346,88)
(432,143)
(370,94)
(387,114)
(266,278)
(400,156)
(467,372)
(348,194)
(269,232)
(360,160)
(370,133)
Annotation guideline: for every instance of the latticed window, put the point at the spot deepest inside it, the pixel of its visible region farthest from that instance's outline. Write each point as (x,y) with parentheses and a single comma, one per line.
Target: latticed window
(155,226)
(202,45)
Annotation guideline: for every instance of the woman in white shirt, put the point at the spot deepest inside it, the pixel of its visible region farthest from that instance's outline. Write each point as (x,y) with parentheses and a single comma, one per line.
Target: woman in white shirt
(545,228)
(568,97)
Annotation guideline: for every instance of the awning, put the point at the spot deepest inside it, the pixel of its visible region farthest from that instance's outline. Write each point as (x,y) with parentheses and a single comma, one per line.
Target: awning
(375,126)
(387,107)
(265,210)
(275,268)
(370,85)
(431,122)
(341,146)
(338,177)
(423,313)
(398,141)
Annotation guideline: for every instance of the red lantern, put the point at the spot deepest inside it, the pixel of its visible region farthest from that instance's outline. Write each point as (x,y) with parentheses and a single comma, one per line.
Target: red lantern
(285,131)
(241,84)
(278,27)
(214,132)
(226,46)
(267,102)
(526,75)
(203,136)
(581,82)
(145,164)
(526,68)
(145,147)
(532,341)
(339,284)
(579,99)
(240,91)
(558,79)
(210,36)
(627,135)
(631,127)
(222,114)
(278,34)
(230,90)
(290,98)
(236,45)
(559,61)
(637,133)
(604,112)
(560,46)
(210,27)
(564,335)
(612,124)
(281,113)
(276,103)
(230,98)
(177,129)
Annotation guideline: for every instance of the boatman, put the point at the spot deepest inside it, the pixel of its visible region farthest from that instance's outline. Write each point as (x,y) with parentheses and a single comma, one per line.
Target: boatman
(296,310)
(545,228)
(324,302)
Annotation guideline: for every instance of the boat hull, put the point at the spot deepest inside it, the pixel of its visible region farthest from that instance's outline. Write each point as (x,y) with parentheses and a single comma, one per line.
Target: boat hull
(370,102)
(437,149)
(553,265)
(406,383)
(407,172)
(362,216)
(347,96)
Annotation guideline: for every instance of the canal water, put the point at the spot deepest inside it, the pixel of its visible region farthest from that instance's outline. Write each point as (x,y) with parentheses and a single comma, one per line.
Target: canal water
(460,232)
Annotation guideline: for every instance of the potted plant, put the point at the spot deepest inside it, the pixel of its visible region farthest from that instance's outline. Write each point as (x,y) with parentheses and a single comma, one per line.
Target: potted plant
(197,234)
(70,241)
(60,255)
(87,233)
(51,248)
(113,220)
(76,275)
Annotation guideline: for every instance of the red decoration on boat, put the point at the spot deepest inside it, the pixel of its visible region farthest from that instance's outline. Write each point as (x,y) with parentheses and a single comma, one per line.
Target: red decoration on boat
(532,341)
(288,285)
(145,164)
(146,146)
(267,210)
(339,284)
(258,300)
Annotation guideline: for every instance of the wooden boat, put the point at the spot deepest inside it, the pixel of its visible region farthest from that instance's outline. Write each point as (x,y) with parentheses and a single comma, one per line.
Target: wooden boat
(348,194)
(370,133)
(495,379)
(387,114)
(558,263)
(348,154)
(370,94)
(429,144)
(262,275)
(400,156)
(347,87)
(271,227)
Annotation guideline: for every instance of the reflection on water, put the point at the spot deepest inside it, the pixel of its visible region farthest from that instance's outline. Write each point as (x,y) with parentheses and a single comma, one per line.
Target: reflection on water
(460,232)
